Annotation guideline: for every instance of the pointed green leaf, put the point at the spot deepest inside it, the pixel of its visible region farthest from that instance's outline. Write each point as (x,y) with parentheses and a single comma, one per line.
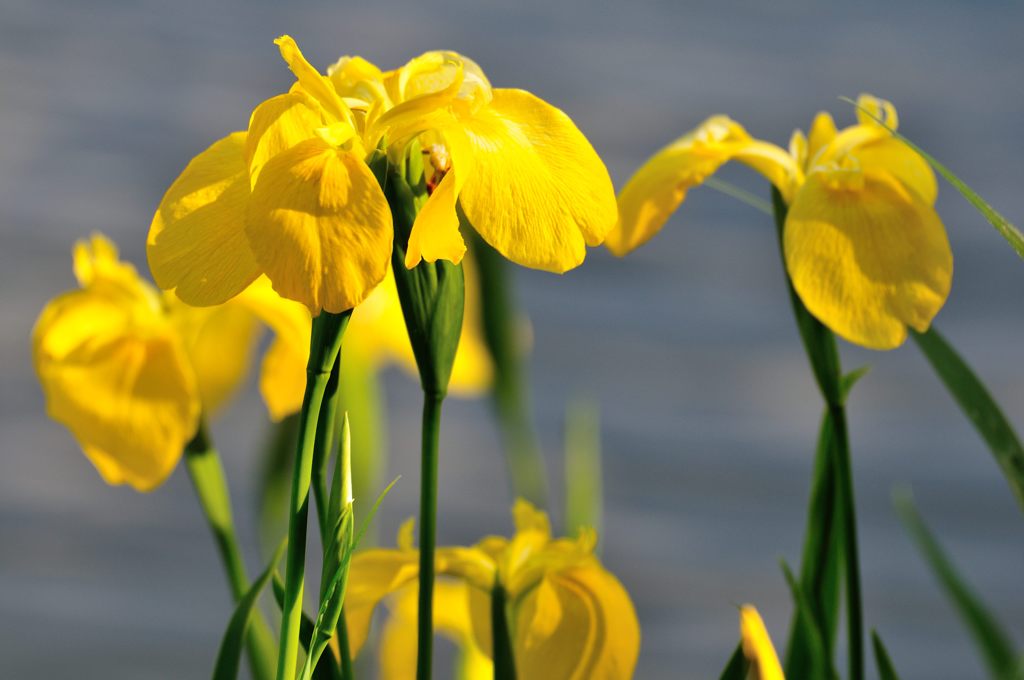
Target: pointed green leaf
(231,646)
(1001,224)
(323,671)
(991,640)
(808,635)
(978,405)
(737,666)
(886,671)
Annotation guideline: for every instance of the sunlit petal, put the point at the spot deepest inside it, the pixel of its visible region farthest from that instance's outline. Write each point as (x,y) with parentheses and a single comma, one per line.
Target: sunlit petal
(757,646)
(320,226)
(197,244)
(867,261)
(277,125)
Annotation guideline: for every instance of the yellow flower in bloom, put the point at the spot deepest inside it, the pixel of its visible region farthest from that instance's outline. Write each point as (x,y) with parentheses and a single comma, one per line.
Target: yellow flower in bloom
(757,646)
(129,370)
(292,197)
(864,247)
(568,616)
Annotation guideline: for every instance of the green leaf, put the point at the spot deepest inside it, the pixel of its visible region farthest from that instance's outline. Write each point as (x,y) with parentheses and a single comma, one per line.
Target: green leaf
(737,667)
(231,646)
(992,641)
(822,559)
(323,671)
(886,671)
(1002,225)
(808,634)
(979,407)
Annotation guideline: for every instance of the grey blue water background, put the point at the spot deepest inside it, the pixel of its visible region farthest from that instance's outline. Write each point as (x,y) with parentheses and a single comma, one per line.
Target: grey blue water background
(708,410)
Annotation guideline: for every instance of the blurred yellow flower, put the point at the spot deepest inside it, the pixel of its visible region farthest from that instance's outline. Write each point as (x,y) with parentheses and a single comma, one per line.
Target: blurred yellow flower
(757,646)
(568,616)
(294,198)
(864,247)
(129,370)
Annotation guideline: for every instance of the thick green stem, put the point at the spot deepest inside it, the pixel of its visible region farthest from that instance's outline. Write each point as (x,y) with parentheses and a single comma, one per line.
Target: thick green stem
(820,345)
(428,532)
(207,475)
(324,347)
(501,638)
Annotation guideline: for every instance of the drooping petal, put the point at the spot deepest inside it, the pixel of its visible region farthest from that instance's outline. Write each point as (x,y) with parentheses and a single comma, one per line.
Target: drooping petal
(655,191)
(538,192)
(220,342)
(320,226)
(435,233)
(867,261)
(283,370)
(124,387)
(373,575)
(757,646)
(197,244)
(577,623)
(451,619)
(277,125)
(896,158)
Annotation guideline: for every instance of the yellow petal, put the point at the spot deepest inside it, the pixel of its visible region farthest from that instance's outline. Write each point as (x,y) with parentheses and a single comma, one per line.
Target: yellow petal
(277,125)
(118,378)
(578,623)
(197,244)
(867,262)
(316,85)
(320,226)
(757,646)
(538,192)
(220,342)
(823,131)
(451,619)
(893,156)
(373,575)
(660,185)
(283,370)
(435,233)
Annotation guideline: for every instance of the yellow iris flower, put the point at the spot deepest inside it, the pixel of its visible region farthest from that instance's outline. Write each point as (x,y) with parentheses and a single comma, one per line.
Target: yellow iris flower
(757,646)
(293,198)
(864,247)
(129,370)
(569,618)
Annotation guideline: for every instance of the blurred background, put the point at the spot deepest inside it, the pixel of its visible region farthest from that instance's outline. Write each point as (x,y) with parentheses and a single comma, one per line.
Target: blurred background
(709,413)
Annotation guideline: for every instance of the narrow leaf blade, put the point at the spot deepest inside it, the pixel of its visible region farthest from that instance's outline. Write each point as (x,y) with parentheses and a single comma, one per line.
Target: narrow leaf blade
(737,666)
(978,405)
(886,671)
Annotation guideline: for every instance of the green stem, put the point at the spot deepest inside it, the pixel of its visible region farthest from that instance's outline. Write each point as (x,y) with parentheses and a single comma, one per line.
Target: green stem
(428,532)
(820,345)
(347,673)
(325,344)
(207,475)
(501,638)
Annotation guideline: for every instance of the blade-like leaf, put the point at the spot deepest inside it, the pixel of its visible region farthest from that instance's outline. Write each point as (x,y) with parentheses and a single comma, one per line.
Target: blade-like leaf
(886,671)
(978,405)
(737,667)
(992,641)
(231,646)
(1002,225)
(323,671)
(808,634)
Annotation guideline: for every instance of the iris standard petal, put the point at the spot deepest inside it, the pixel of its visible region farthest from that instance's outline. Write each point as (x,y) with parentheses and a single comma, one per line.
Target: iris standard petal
(126,392)
(197,244)
(867,261)
(312,81)
(757,646)
(277,125)
(435,234)
(538,192)
(320,226)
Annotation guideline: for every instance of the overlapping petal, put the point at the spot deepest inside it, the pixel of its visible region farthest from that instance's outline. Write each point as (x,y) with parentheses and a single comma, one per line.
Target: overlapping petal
(197,243)
(277,125)
(867,261)
(538,193)
(319,226)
